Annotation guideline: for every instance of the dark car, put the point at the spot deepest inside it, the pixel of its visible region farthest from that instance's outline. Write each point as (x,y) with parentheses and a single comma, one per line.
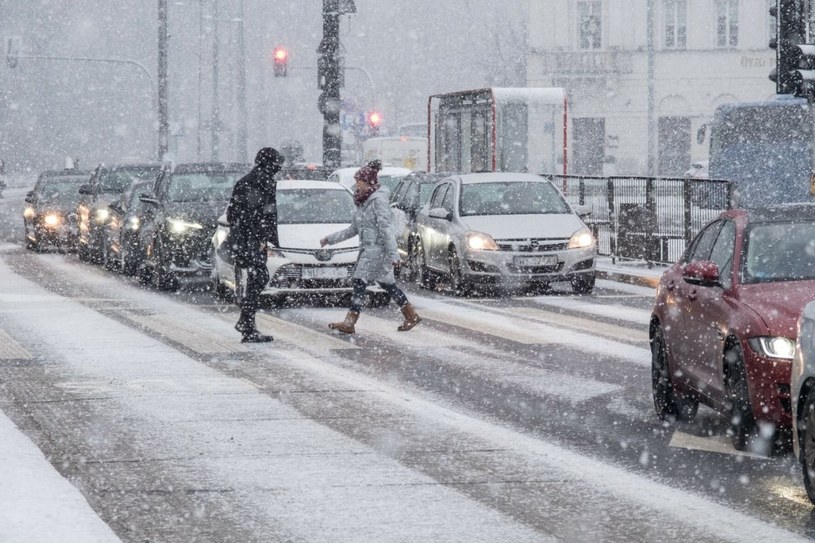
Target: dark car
(123,250)
(180,218)
(49,216)
(410,193)
(107,184)
(723,328)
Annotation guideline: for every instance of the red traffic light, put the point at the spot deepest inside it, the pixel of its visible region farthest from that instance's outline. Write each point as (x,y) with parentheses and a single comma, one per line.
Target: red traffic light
(374,118)
(280,56)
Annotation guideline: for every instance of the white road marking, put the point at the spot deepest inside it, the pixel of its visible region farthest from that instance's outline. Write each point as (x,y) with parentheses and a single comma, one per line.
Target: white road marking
(717,444)
(586,325)
(11,350)
(301,336)
(195,339)
(618,312)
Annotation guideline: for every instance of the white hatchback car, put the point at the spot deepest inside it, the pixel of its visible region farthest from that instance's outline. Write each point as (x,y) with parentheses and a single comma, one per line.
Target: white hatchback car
(502,229)
(388,176)
(802,393)
(306,212)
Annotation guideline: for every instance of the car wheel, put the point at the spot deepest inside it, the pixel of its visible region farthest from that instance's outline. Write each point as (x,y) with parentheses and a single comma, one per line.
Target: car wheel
(129,265)
(806,433)
(667,404)
(583,284)
(457,282)
(743,427)
(412,270)
(162,278)
(425,277)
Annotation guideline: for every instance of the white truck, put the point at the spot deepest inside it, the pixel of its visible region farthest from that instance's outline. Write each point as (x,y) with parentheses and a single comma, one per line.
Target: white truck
(402,151)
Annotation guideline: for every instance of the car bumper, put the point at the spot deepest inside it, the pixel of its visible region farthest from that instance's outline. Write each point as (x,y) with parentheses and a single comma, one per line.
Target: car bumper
(769,385)
(294,278)
(62,235)
(510,267)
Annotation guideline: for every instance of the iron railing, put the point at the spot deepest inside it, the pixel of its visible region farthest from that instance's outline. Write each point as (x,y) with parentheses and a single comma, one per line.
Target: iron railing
(646,218)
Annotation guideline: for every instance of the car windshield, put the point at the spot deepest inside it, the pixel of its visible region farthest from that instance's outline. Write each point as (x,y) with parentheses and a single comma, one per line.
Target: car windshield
(389,181)
(511,198)
(202,186)
(780,252)
(120,180)
(62,191)
(314,206)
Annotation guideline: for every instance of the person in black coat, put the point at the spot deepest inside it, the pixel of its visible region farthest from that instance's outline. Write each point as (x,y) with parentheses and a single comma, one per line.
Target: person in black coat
(252,218)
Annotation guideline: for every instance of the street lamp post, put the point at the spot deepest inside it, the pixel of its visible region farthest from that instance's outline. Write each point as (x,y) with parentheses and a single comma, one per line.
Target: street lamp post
(163,116)
(215,118)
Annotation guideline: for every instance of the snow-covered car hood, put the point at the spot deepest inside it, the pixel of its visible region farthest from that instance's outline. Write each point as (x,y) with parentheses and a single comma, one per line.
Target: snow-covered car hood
(307,236)
(204,213)
(525,226)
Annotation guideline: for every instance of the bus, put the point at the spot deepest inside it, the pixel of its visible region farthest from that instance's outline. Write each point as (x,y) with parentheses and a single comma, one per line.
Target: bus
(498,130)
(765,149)
(402,151)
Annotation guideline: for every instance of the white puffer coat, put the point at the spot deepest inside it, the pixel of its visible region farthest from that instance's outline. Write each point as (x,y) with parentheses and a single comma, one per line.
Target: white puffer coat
(373,223)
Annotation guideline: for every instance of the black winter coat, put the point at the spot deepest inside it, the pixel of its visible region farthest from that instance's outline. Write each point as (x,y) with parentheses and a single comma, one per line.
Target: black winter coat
(252,216)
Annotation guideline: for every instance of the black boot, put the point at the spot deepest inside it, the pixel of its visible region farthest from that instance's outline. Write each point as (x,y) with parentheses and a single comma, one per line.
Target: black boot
(246,326)
(256,337)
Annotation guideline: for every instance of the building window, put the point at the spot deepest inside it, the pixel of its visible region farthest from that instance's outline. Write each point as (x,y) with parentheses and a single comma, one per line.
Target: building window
(727,23)
(676,24)
(589,24)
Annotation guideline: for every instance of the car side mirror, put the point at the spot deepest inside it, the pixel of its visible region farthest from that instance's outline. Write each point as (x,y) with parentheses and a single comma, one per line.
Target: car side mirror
(86,189)
(439,213)
(116,207)
(31,197)
(582,210)
(703,273)
(148,198)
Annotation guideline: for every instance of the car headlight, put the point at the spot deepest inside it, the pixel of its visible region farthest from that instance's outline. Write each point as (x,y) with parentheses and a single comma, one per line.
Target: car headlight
(581,239)
(52,219)
(133,223)
(29,212)
(177,226)
(481,242)
(101,216)
(773,347)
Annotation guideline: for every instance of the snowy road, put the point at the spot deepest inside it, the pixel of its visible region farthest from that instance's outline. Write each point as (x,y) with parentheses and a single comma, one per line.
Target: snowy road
(521,419)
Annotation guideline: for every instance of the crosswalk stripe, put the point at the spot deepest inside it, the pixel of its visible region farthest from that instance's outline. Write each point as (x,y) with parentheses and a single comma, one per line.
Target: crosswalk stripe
(11,350)
(616,312)
(492,324)
(719,444)
(586,325)
(418,337)
(200,341)
(302,336)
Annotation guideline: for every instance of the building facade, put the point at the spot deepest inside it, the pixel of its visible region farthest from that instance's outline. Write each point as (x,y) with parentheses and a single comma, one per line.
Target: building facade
(637,109)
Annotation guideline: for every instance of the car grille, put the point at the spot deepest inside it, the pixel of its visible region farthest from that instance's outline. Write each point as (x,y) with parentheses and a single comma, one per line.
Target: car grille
(539,245)
(534,269)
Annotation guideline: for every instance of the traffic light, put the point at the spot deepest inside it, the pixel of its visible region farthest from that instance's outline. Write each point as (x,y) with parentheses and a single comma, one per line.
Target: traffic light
(280,56)
(804,76)
(790,33)
(374,119)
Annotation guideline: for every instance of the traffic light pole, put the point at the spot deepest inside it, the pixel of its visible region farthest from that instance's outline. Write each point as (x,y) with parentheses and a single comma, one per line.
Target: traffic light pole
(329,81)
(163,116)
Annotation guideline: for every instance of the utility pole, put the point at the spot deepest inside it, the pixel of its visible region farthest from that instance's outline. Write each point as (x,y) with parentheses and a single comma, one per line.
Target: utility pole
(652,128)
(329,77)
(215,118)
(163,116)
(242,114)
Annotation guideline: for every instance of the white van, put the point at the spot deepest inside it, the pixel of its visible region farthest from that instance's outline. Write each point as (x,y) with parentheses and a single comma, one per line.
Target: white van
(402,151)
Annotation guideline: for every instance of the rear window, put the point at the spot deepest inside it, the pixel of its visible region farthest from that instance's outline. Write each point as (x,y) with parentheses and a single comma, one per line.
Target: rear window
(118,181)
(780,252)
(64,191)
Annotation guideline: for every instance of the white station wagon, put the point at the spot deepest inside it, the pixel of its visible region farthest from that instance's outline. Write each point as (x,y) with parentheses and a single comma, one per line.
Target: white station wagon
(502,229)
(306,212)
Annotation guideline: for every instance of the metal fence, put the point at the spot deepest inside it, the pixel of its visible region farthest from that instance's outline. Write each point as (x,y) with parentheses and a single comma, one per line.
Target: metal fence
(646,218)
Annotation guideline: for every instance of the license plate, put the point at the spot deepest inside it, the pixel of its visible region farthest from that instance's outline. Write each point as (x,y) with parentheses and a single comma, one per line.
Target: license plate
(535,261)
(325,273)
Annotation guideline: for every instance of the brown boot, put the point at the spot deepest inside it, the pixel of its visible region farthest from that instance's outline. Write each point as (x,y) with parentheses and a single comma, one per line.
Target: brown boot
(346,326)
(411,318)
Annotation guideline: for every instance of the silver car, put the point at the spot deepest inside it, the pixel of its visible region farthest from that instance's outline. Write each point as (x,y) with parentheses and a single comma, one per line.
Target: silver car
(802,388)
(502,229)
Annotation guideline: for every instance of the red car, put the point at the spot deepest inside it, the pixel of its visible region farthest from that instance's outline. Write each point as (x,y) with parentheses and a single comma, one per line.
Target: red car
(723,328)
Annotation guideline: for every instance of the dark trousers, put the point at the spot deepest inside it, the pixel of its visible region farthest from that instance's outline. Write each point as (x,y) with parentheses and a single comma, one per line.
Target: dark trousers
(358,296)
(257,277)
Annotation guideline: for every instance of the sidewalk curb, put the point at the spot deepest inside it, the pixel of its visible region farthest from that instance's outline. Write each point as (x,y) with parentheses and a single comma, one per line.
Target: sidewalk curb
(631,279)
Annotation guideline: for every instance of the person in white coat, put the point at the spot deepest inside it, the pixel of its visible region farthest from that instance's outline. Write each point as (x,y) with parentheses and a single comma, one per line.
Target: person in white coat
(373,223)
